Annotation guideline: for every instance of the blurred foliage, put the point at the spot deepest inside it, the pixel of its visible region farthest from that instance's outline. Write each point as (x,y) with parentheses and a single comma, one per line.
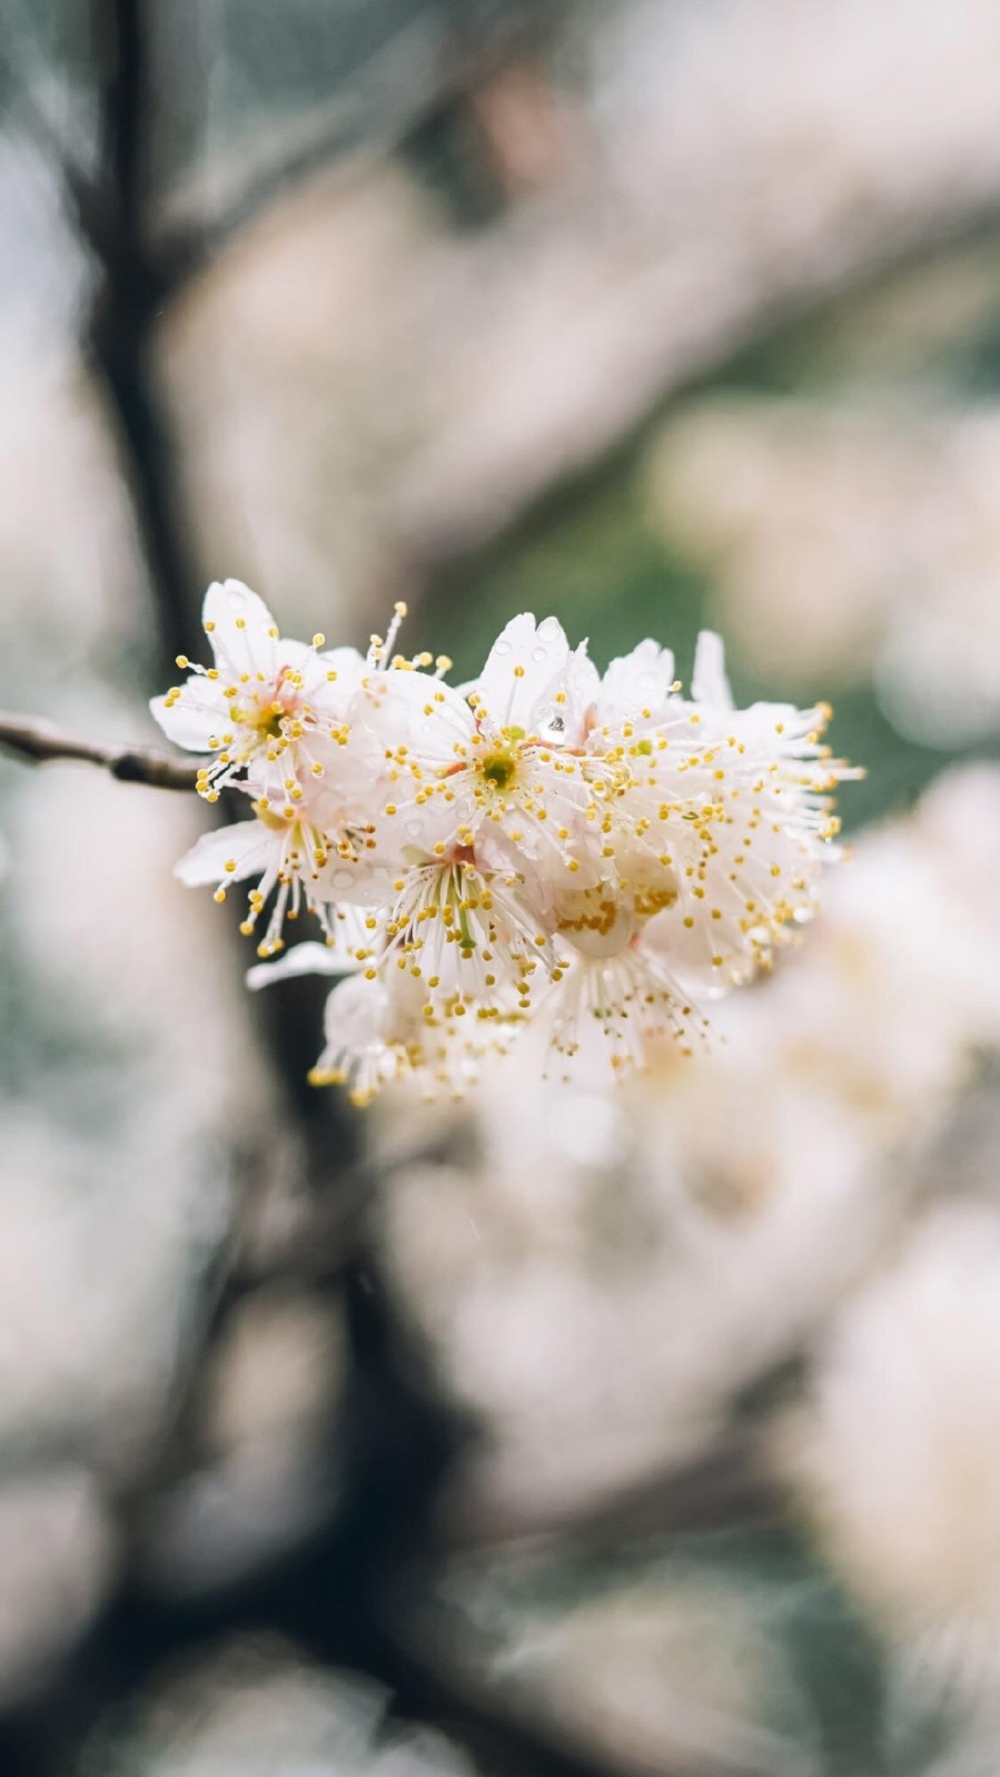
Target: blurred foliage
(821,1688)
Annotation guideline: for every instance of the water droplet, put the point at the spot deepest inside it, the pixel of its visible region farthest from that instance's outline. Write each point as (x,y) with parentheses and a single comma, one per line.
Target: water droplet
(342,879)
(501,647)
(551,725)
(539,654)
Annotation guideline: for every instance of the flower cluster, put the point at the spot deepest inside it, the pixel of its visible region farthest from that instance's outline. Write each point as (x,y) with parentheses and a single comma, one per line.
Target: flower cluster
(601,852)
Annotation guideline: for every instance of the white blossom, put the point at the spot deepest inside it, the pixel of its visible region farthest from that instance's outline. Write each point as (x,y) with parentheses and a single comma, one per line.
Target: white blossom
(267,708)
(540,842)
(500,764)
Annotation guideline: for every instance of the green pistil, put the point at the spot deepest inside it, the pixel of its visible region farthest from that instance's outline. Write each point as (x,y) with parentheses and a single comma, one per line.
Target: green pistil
(466,942)
(270,724)
(499,770)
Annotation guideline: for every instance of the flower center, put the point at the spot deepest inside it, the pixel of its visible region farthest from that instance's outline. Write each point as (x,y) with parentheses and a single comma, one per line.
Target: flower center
(268,721)
(500,764)
(499,769)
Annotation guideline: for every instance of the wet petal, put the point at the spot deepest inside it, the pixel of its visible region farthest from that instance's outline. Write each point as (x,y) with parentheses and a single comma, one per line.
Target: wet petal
(241,630)
(523,662)
(636,682)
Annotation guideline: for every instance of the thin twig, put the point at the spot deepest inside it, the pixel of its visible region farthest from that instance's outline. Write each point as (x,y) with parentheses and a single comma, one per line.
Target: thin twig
(29,738)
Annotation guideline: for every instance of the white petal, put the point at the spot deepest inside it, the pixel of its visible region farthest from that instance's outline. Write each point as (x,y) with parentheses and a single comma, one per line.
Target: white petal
(248,845)
(302,959)
(194,718)
(709,684)
(289,652)
(241,630)
(584,920)
(412,709)
(637,681)
(359,1014)
(605,1010)
(360,1044)
(562,711)
(347,663)
(523,662)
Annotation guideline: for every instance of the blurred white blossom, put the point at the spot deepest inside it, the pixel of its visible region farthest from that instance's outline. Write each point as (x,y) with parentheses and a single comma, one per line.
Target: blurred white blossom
(897,1459)
(255,1707)
(845,541)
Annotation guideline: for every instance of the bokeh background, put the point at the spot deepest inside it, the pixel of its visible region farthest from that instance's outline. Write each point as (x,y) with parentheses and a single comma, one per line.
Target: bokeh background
(547,1435)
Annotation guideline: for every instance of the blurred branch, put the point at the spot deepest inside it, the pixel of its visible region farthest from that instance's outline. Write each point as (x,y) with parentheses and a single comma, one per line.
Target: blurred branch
(733,1483)
(411,77)
(41,742)
(478,482)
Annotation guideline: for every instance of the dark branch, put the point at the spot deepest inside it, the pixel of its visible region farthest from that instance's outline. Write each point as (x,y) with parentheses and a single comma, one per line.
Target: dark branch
(41,742)
(129,301)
